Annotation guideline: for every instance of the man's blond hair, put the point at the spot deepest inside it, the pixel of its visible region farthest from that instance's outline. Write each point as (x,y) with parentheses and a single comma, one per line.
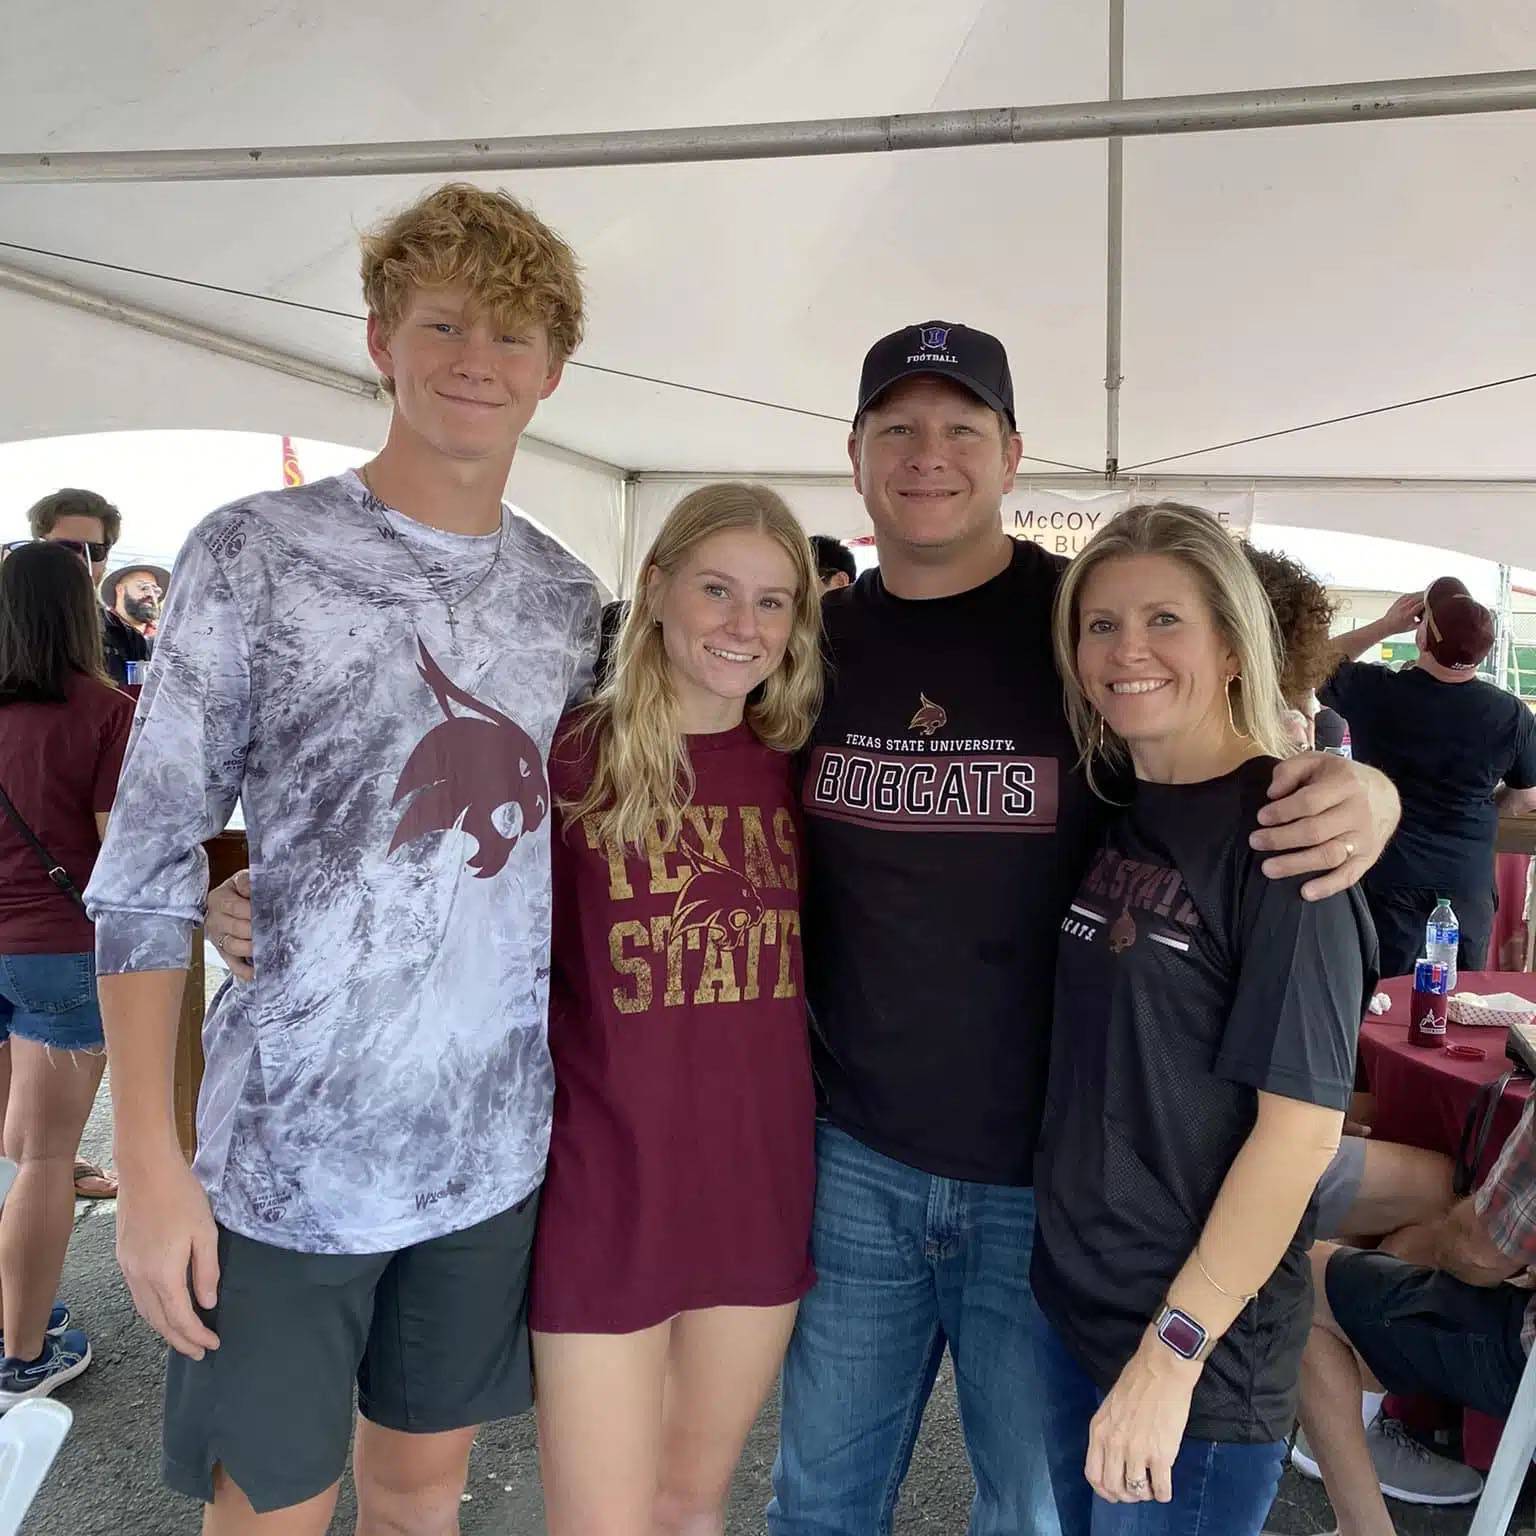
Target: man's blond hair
(516,268)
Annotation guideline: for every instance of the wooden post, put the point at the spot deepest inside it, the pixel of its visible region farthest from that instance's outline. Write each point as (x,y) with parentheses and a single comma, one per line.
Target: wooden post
(226,853)
(189,1050)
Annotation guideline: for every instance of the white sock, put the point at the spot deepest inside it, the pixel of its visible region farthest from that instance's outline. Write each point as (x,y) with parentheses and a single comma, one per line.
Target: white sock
(1370,1406)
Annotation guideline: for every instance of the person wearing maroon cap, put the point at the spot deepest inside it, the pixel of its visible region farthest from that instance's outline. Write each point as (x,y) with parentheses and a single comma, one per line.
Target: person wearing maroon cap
(1459,749)
(946,827)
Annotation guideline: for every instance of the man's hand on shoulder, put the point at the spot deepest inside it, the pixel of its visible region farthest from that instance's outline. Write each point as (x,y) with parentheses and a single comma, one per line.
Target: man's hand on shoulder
(1326,816)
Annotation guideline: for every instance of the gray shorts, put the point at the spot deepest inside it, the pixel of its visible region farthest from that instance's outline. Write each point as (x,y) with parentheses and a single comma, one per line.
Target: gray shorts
(434,1337)
(1339,1185)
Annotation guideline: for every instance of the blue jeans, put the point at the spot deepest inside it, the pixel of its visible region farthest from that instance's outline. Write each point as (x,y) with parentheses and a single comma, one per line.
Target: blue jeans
(908,1263)
(51,999)
(1219,1488)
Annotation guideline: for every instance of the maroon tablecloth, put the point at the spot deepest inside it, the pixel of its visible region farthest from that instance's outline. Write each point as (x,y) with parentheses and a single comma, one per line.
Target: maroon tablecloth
(1422,1097)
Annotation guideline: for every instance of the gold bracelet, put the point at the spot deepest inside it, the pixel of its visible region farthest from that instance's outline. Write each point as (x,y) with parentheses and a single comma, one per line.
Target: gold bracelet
(1217,1285)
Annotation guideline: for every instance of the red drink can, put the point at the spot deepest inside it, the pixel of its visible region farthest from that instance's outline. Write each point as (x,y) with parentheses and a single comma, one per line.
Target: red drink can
(1426,1020)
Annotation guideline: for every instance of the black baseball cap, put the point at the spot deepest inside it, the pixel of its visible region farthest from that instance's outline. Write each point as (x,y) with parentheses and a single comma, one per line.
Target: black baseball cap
(973,359)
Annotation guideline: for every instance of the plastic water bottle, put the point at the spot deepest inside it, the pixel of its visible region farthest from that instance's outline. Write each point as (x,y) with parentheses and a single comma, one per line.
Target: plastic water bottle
(1442,937)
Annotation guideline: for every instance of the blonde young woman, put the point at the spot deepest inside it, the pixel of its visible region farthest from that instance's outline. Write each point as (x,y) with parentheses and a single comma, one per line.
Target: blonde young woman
(674,1231)
(1202,1059)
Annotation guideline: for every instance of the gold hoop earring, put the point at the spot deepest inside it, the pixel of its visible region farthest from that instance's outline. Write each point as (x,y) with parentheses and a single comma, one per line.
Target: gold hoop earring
(1236,677)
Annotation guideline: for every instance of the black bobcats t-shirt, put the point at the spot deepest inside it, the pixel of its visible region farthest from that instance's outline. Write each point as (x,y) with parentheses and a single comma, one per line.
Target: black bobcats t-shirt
(946,828)
(1187,983)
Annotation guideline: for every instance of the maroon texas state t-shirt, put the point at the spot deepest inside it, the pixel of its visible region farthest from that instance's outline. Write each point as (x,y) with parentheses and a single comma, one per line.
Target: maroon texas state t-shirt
(59,763)
(681,1165)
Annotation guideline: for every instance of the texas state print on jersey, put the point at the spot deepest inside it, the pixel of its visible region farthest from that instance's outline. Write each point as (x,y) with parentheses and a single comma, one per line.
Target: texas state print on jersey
(929,776)
(697,922)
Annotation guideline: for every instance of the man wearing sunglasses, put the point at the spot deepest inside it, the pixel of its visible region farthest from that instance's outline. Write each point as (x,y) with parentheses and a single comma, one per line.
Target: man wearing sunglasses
(132,596)
(82,518)
(92,525)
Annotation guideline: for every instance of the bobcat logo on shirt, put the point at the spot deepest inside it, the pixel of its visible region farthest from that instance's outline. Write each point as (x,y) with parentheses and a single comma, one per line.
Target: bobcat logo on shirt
(1122,933)
(1156,892)
(465,771)
(930,718)
(714,900)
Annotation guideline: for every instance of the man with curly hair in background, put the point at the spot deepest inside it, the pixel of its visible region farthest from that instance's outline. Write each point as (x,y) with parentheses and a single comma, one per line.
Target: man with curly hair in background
(374,665)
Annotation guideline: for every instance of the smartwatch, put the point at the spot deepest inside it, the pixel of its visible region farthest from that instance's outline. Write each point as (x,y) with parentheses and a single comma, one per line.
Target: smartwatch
(1182,1334)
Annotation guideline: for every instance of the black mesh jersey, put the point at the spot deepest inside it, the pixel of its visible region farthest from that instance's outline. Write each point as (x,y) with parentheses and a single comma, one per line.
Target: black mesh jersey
(1187,982)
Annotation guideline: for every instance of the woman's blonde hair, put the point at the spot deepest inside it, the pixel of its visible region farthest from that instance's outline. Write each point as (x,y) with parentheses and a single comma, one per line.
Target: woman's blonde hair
(642,779)
(1238,606)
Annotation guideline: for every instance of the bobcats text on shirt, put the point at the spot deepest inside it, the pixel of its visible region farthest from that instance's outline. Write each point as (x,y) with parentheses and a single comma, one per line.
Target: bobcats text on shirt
(386,1077)
(945,828)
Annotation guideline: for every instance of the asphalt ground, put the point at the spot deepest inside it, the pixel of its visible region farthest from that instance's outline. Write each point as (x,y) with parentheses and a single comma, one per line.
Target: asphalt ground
(106,1479)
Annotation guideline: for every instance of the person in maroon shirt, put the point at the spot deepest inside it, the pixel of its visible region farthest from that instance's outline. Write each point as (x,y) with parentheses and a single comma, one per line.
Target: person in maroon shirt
(63,729)
(674,1231)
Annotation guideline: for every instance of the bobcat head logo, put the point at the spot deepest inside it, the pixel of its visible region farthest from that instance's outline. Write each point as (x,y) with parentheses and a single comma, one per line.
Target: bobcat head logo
(930,717)
(715,900)
(1122,933)
(479,772)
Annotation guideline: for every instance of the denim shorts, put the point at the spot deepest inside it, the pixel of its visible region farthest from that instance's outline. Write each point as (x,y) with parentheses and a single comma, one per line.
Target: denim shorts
(1339,1185)
(50,999)
(1422,1330)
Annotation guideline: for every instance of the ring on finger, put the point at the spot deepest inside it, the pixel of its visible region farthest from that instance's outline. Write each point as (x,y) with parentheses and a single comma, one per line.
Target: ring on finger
(1349,848)
(1136,1484)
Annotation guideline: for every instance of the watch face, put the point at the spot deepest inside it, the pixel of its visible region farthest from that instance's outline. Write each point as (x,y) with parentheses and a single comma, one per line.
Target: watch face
(1181,1334)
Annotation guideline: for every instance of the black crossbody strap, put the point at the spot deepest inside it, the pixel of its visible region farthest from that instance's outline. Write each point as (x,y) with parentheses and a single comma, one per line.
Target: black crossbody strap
(1476,1129)
(56,871)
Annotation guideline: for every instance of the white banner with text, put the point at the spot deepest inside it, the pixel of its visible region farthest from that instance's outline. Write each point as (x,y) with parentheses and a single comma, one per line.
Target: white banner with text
(1064,521)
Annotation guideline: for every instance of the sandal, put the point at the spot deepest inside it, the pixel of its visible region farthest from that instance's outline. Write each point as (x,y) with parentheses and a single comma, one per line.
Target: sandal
(93,1183)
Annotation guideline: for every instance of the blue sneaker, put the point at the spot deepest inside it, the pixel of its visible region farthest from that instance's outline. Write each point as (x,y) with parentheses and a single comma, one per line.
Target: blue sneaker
(58,1321)
(62,1359)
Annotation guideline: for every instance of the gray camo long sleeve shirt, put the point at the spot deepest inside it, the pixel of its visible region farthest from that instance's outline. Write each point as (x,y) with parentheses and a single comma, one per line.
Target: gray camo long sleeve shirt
(385,1078)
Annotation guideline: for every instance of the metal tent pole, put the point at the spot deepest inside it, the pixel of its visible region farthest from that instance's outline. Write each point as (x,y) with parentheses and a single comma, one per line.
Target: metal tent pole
(1114,246)
(1503,629)
(1360,101)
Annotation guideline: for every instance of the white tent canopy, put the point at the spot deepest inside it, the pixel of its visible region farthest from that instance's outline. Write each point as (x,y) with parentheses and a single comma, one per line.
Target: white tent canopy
(1273,277)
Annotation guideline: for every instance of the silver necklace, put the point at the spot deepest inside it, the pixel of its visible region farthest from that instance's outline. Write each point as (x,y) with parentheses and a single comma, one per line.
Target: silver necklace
(451,604)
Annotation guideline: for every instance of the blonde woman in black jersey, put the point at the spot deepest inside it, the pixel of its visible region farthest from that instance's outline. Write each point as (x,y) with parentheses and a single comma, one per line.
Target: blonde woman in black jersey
(1202,1055)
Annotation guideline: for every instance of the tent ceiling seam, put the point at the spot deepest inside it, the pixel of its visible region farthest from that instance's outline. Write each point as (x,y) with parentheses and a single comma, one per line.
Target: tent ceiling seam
(342,314)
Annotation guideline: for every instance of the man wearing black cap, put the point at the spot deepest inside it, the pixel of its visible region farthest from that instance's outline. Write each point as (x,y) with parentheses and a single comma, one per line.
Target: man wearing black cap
(1459,750)
(946,828)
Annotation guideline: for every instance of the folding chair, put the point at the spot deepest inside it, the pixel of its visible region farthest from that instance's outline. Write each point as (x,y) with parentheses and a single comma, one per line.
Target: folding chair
(1511,1461)
(30,1434)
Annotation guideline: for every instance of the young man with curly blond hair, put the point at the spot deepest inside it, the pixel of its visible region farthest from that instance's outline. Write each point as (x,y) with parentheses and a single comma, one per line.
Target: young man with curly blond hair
(373,665)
